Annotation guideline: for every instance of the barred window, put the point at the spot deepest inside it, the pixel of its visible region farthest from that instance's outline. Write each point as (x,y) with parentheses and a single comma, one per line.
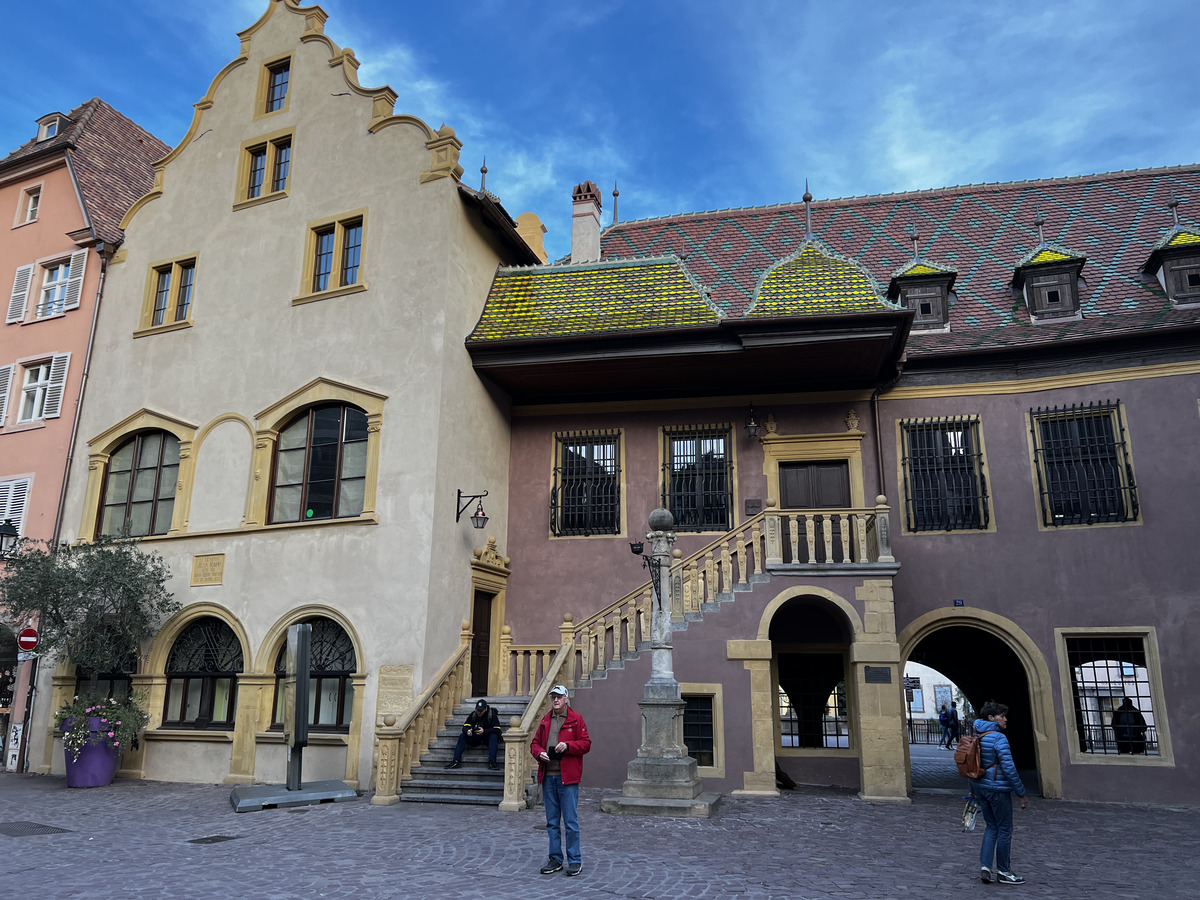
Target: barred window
(1110,685)
(698,733)
(202,672)
(1083,468)
(586,496)
(945,488)
(332,663)
(698,477)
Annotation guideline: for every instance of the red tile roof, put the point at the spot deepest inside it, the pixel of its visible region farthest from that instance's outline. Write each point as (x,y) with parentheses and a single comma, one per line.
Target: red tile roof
(113,159)
(982,231)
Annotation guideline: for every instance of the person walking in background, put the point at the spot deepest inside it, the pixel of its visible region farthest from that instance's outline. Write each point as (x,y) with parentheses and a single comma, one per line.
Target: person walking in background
(993,791)
(944,723)
(1129,728)
(559,745)
(953,724)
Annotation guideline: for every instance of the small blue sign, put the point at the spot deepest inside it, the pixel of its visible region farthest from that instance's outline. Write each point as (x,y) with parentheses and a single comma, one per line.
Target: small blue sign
(960,602)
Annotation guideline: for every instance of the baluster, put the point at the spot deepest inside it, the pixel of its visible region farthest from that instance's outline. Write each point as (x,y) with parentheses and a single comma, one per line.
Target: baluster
(743,568)
(690,584)
(616,636)
(883,529)
(757,542)
(844,533)
(827,531)
(631,626)
(566,635)
(810,537)
(585,642)
(710,578)
(504,686)
(601,649)
(860,522)
(794,535)
(774,535)
(726,569)
(644,610)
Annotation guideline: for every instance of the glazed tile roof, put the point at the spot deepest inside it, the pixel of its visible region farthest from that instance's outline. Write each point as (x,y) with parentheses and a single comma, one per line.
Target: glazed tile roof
(983,231)
(620,296)
(815,281)
(113,159)
(921,267)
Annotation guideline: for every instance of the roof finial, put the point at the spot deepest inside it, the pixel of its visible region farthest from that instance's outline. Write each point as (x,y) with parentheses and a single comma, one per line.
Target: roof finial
(1174,206)
(807,198)
(616,194)
(1039,220)
(483,175)
(916,241)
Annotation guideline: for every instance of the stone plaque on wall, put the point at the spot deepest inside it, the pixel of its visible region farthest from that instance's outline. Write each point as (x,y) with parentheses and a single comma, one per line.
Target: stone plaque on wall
(877,675)
(208,569)
(395,691)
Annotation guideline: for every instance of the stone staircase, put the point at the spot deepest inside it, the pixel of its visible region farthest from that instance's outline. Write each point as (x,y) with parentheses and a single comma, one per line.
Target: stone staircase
(472,782)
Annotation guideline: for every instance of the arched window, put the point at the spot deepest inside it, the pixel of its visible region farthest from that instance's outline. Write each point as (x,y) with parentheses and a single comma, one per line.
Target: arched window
(330,690)
(321,465)
(202,673)
(139,485)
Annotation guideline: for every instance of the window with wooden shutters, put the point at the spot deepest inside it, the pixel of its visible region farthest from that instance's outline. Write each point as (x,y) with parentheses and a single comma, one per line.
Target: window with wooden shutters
(6,374)
(945,488)
(585,498)
(74,288)
(698,477)
(20,294)
(1182,277)
(1084,472)
(14,496)
(42,389)
(929,303)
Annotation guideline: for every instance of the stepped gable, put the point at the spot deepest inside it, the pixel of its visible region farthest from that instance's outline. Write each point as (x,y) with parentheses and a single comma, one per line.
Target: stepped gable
(816,281)
(983,231)
(113,158)
(611,297)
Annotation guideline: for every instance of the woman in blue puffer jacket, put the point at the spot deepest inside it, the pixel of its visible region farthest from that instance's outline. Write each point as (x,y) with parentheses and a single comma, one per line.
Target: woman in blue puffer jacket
(994,793)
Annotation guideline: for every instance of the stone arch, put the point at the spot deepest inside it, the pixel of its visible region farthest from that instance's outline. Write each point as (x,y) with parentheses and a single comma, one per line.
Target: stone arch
(853,619)
(199,499)
(264,663)
(1037,673)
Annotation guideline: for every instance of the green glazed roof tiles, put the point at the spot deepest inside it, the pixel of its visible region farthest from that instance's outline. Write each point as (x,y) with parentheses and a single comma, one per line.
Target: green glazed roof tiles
(814,282)
(614,297)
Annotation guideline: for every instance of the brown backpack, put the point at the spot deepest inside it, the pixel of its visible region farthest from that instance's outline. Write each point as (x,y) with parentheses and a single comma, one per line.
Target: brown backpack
(968,758)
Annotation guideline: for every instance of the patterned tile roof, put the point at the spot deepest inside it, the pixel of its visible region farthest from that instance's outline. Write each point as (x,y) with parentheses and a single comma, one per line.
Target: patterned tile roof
(981,230)
(618,296)
(922,267)
(815,281)
(1182,238)
(113,159)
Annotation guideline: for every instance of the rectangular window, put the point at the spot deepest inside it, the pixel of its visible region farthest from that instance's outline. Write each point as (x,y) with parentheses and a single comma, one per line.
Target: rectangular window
(586,496)
(334,257)
(698,477)
(698,733)
(169,293)
(33,392)
(1113,702)
(945,488)
(54,289)
(277,85)
(265,169)
(1083,468)
(33,200)
(14,497)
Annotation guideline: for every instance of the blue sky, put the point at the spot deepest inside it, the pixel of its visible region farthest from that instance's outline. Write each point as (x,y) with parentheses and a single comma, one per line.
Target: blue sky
(688,105)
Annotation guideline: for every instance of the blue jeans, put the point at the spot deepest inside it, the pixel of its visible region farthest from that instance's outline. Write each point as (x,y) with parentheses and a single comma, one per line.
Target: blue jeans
(562,801)
(493,742)
(996,807)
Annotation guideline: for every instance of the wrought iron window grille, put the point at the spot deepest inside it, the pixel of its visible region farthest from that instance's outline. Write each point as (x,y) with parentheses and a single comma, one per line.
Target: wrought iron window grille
(585,498)
(1105,672)
(1082,462)
(945,486)
(698,734)
(697,476)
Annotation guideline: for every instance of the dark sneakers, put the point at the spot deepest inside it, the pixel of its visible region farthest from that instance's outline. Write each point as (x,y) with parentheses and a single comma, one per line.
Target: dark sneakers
(453,764)
(493,765)
(985,875)
(574,868)
(552,865)
(1003,878)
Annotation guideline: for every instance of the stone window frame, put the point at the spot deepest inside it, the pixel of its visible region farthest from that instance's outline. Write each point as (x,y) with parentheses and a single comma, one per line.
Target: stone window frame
(262,93)
(29,202)
(669,432)
(1149,637)
(981,472)
(554,505)
(339,225)
(174,267)
(271,145)
(715,692)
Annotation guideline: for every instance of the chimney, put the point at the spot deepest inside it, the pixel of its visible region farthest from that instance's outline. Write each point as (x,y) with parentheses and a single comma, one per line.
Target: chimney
(585,223)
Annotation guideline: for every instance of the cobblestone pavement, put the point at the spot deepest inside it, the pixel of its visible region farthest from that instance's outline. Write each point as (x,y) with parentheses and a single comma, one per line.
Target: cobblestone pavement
(132,840)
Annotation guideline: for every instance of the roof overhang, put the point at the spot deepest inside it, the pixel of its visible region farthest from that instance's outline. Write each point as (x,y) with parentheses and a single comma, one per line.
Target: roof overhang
(737,356)
(497,220)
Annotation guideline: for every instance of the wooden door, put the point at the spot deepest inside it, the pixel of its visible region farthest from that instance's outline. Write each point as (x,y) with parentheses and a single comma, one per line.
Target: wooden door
(819,485)
(481,642)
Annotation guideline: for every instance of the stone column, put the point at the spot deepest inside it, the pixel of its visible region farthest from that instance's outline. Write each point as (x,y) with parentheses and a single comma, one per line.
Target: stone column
(875,658)
(662,779)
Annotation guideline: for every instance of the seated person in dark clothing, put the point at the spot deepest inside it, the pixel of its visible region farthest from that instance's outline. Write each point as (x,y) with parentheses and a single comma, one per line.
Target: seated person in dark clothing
(482,726)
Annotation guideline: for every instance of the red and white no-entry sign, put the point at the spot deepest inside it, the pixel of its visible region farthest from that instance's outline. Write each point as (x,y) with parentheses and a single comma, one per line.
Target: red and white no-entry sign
(28,639)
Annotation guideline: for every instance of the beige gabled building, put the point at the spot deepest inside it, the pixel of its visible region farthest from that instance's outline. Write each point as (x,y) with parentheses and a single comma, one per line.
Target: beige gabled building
(283,407)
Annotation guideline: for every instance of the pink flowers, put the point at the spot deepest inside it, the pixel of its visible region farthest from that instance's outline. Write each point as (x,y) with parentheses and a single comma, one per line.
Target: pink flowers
(110,734)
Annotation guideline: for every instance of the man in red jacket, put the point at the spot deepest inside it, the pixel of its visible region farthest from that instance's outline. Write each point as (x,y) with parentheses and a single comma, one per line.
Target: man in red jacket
(559,744)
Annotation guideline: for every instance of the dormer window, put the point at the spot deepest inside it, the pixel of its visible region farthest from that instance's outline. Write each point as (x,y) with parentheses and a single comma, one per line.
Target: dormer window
(926,289)
(1175,262)
(49,126)
(1049,281)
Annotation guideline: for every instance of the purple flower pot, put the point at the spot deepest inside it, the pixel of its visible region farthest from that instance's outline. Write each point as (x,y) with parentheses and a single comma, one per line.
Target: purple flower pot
(97,763)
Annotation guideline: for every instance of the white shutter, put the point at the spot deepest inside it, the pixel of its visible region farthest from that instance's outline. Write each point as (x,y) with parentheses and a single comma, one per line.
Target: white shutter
(75,281)
(13,495)
(6,373)
(20,292)
(58,381)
